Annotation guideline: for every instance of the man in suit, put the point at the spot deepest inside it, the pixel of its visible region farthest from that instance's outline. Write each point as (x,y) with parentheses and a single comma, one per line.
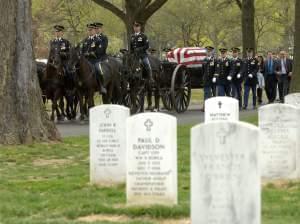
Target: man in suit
(270,77)
(284,69)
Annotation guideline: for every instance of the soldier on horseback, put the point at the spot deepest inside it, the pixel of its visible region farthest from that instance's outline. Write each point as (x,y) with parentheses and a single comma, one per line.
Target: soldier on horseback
(94,49)
(139,44)
(62,46)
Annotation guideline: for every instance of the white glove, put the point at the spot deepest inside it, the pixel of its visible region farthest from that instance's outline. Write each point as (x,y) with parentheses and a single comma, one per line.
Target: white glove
(238,76)
(214,80)
(250,76)
(229,78)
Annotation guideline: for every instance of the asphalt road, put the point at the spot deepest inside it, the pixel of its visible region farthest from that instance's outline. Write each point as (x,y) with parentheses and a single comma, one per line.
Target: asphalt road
(193,115)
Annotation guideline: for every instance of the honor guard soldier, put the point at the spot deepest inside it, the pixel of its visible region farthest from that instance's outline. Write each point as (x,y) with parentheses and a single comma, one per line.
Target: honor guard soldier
(236,74)
(250,69)
(139,44)
(208,73)
(85,44)
(103,40)
(62,45)
(94,54)
(222,74)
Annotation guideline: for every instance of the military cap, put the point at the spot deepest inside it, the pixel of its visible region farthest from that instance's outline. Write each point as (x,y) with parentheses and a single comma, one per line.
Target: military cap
(223,50)
(249,49)
(59,28)
(91,25)
(210,48)
(137,23)
(236,49)
(98,24)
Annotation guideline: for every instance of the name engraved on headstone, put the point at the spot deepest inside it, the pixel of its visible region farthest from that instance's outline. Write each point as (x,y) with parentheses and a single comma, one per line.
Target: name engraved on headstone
(108,144)
(152,168)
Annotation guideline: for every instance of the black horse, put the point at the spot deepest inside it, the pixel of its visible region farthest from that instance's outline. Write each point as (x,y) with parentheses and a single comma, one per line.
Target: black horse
(87,82)
(54,83)
(137,83)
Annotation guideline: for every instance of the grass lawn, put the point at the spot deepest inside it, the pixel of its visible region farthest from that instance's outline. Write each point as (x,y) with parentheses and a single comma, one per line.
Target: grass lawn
(49,183)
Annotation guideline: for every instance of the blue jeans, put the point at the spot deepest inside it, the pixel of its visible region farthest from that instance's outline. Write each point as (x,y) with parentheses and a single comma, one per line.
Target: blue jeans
(237,92)
(223,90)
(207,92)
(246,95)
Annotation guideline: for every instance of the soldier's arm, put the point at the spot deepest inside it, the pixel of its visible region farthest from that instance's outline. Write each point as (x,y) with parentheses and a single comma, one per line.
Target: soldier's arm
(146,43)
(105,42)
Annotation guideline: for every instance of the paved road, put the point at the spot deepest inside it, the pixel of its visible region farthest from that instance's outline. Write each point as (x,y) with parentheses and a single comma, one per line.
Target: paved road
(192,116)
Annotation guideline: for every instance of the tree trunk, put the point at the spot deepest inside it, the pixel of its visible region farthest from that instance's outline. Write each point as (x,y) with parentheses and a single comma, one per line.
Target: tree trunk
(132,10)
(295,84)
(23,118)
(248,31)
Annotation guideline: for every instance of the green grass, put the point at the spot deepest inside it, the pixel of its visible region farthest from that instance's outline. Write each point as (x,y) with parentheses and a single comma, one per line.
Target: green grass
(49,183)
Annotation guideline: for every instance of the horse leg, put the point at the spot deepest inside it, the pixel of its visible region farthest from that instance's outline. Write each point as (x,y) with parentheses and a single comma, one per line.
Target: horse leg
(75,104)
(62,107)
(157,97)
(106,98)
(90,100)
(81,105)
(53,108)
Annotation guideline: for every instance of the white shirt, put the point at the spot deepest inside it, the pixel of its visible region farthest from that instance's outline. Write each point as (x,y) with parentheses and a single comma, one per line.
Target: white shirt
(283,64)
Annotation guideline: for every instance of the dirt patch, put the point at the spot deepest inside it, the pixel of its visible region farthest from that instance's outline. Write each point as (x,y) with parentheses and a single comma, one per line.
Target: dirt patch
(124,218)
(50,162)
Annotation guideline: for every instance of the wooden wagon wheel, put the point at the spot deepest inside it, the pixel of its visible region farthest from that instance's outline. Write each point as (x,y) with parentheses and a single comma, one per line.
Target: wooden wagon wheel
(181,88)
(166,98)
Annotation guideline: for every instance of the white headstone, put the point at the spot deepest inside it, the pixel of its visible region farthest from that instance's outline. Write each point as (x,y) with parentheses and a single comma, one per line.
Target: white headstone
(221,109)
(151,159)
(293,99)
(225,176)
(108,144)
(279,142)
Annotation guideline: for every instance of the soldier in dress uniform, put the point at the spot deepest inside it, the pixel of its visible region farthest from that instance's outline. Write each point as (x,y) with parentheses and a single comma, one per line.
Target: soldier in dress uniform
(236,74)
(103,40)
(85,44)
(62,45)
(208,72)
(250,69)
(93,51)
(139,44)
(222,74)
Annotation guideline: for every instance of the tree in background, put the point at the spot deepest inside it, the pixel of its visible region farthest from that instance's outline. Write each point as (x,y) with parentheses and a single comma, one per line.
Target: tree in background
(132,10)
(23,118)
(295,84)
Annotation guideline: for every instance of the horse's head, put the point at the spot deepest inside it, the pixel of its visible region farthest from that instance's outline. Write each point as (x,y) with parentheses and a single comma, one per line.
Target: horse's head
(54,57)
(131,63)
(74,59)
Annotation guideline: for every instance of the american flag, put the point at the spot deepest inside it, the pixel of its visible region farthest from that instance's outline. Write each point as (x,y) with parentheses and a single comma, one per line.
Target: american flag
(189,56)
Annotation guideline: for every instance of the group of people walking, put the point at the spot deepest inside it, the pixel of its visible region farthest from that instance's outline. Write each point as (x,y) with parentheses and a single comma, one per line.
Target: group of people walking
(224,76)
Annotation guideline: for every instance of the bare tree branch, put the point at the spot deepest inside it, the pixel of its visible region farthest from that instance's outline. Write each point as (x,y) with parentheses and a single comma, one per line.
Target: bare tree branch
(152,8)
(111,7)
(239,3)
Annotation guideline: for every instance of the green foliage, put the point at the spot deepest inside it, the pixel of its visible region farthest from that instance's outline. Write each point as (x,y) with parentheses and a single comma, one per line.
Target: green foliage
(177,23)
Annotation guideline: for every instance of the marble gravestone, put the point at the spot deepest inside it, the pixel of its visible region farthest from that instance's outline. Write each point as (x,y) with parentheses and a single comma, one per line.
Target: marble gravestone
(279,141)
(151,160)
(221,109)
(225,175)
(293,99)
(108,144)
